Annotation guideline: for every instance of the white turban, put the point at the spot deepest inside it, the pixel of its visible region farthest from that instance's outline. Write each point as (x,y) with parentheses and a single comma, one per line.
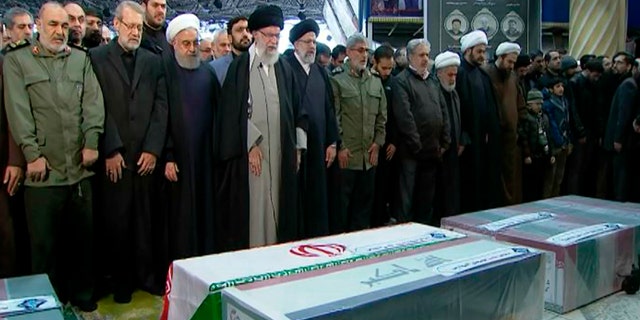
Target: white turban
(507,47)
(182,22)
(473,39)
(447,59)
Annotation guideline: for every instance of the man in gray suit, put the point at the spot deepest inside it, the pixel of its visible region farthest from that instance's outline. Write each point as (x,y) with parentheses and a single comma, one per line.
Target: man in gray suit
(241,40)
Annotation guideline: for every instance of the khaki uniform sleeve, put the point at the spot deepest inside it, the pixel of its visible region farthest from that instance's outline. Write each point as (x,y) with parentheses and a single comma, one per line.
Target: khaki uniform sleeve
(92,108)
(335,86)
(18,108)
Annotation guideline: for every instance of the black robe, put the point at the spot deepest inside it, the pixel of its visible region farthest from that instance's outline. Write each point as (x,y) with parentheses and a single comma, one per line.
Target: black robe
(448,190)
(230,145)
(190,222)
(178,230)
(323,131)
(480,162)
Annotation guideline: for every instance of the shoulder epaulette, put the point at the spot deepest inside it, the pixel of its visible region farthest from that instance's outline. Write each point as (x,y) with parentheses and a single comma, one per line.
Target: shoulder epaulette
(81,48)
(16,45)
(337,70)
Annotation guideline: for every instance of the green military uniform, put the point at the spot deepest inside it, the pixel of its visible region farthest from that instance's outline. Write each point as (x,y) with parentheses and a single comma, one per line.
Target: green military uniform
(361,110)
(55,109)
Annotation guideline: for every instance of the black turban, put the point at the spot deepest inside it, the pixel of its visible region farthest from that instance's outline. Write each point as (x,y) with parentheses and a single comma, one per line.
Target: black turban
(302,28)
(266,16)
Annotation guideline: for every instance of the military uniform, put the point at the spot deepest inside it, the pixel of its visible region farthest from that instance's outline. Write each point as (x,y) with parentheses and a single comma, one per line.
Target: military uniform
(55,109)
(361,110)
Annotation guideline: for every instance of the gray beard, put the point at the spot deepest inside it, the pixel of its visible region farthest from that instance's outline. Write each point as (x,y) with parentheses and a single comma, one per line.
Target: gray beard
(266,58)
(447,87)
(307,58)
(188,62)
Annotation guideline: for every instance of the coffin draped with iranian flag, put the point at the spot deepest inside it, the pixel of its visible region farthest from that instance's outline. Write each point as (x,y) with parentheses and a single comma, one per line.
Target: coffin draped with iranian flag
(194,285)
(591,243)
(467,278)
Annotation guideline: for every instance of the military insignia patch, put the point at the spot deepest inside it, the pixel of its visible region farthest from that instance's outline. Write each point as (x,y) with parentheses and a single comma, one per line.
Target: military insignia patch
(16,45)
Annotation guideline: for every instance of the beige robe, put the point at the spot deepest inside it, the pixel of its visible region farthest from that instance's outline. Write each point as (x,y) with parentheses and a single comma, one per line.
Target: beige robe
(264,128)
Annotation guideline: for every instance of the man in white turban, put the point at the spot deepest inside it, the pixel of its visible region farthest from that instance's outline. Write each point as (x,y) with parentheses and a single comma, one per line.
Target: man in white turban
(448,184)
(510,96)
(187,166)
(480,165)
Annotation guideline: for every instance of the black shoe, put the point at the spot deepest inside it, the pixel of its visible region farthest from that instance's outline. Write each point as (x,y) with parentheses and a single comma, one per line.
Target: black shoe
(155,289)
(85,306)
(122,297)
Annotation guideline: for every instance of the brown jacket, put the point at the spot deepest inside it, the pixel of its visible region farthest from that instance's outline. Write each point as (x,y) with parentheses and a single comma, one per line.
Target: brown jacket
(511,108)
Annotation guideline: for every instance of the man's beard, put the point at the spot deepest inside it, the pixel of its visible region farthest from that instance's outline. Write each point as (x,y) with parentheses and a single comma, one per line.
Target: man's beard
(131,47)
(238,45)
(265,57)
(308,58)
(187,61)
(151,22)
(53,48)
(75,37)
(92,39)
(447,87)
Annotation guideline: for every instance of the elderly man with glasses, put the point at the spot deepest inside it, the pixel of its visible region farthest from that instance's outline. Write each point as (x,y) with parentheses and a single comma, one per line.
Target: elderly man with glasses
(136,119)
(261,149)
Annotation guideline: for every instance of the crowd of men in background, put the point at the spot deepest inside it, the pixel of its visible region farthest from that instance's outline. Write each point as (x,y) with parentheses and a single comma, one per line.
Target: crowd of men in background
(159,145)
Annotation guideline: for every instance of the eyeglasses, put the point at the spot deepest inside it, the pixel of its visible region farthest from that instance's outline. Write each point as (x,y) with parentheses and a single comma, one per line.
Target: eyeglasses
(130,26)
(189,44)
(308,42)
(360,50)
(275,36)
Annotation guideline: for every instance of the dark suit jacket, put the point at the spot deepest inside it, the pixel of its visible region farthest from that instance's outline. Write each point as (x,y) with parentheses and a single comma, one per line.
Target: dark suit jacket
(10,153)
(136,111)
(620,124)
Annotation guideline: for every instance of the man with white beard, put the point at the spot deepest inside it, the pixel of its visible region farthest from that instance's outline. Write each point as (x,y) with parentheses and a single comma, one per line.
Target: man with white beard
(134,136)
(448,186)
(188,155)
(316,97)
(361,111)
(260,138)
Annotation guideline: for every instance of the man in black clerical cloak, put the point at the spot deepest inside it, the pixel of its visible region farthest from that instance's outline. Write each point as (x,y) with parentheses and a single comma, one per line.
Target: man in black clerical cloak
(480,163)
(239,149)
(316,97)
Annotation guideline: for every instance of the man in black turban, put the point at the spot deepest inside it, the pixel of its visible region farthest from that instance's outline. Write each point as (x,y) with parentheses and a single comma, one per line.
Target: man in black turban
(259,142)
(316,95)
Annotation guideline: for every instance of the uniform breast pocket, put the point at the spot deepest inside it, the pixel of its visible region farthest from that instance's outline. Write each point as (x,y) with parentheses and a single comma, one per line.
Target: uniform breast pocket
(373,103)
(72,89)
(38,86)
(349,97)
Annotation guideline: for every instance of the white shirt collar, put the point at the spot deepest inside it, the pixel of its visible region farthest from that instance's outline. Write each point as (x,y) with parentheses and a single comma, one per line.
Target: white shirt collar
(305,66)
(426,74)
